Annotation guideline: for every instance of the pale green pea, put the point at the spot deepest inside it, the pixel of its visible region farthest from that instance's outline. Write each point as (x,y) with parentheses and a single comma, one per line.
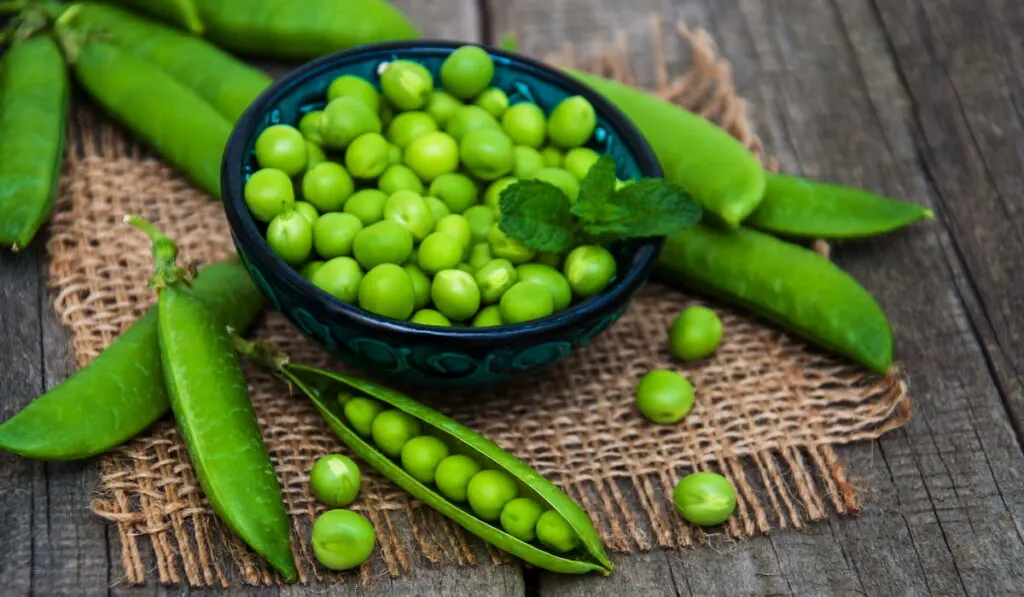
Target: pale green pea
(561,179)
(327,186)
(555,533)
(391,430)
(480,218)
(442,106)
(367,205)
(488,492)
(589,269)
(470,118)
(664,396)
(494,279)
(519,518)
(440,251)
(526,124)
(553,156)
(458,191)
(394,154)
(361,412)
(367,156)
(421,455)
(430,317)
(267,193)
(339,277)
(290,236)
(457,226)
(309,268)
(334,233)
(432,155)
(488,317)
(406,84)
(342,539)
(386,290)
(492,196)
(455,294)
(283,147)
(572,122)
(420,285)
(355,87)
(526,301)
(307,211)
(579,161)
(315,155)
(695,333)
(705,498)
(386,241)
(493,100)
(453,474)
(488,154)
(344,119)
(309,126)
(527,161)
(467,71)
(480,255)
(398,177)
(334,480)
(550,278)
(438,208)
(407,126)
(508,248)
(411,211)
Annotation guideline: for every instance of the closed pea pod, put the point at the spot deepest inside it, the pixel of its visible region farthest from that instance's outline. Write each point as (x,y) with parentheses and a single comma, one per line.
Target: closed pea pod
(158,109)
(181,13)
(211,405)
(320,385)
(710,164)
(800,208)
(277,28)
(788,284)
(33,109)
(120,392)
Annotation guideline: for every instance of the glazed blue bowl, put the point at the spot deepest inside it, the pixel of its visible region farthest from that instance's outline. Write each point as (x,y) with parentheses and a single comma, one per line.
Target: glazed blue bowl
(399,350)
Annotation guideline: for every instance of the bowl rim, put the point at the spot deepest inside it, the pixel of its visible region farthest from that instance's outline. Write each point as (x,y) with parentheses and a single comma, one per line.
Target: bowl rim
(245,232)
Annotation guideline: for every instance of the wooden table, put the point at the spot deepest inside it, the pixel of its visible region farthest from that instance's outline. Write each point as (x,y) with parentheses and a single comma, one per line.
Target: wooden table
(913,98)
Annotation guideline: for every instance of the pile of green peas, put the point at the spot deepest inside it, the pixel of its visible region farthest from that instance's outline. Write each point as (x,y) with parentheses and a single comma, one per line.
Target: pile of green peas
(491,495)
(389,199)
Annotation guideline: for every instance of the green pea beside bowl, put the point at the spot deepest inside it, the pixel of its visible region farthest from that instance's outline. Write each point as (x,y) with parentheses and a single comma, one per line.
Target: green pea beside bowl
(412,352)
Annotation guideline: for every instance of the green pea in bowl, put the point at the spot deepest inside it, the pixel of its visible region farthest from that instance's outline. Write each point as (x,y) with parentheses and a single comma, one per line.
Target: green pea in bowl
(380,339)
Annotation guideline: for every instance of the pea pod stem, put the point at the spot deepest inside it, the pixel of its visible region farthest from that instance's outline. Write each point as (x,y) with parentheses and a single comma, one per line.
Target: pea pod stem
(316,383)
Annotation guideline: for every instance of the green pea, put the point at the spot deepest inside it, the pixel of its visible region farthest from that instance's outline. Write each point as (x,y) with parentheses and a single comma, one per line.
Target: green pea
(455,294)
(367,205)
(421,455)
(314,156)
(420,285)
(453,474)
(465,267)
(399,178)
(361,412)
(480,218)
(408,126)
(467,71)
(589,269)
(493,100)
(327,186)
(334,233)
(488,492)
(387,291)
(440,251)
(695,333)
(394,154)
(406,84)
(572,122)
(470,118)
(290,236)
(339,277)
(442,106)
(526,124)
(519,517)
(344,119)
(495,278)
(432,155)
(267,193)
(356,88)
(367,156)
(550,278)
(430,317)
(508,248)
(492,196)
(456,226)
(487,153)
(342,539)
(480,255)
(411,211)
(488,317)
(283,147)
(526,161)
(553,156)
(386,241)
(458,191)
(307,211)
(438,208)
(334,480)
(705,499)
(309,126)
(555,533)
(392,429)
(309,268)
(526,301)
(664,396)
(579,161)
(561,179)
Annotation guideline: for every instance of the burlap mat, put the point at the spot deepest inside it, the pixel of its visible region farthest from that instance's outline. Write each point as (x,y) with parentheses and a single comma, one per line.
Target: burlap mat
(769,407)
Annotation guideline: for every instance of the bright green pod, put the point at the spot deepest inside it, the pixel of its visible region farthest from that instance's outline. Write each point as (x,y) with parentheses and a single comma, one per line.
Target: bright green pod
(712,165)
(800,208)
(782,282)
(180,13)
(33,108)
(321,386)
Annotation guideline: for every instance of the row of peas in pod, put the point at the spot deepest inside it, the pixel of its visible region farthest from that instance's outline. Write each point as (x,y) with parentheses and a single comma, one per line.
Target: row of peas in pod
(389,199)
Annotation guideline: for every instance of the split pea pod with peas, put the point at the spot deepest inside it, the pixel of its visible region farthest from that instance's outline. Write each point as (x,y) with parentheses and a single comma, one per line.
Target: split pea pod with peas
(449,467)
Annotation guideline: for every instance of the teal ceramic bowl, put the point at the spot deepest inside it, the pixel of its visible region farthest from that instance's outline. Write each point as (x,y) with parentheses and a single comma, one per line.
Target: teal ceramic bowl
(400,350)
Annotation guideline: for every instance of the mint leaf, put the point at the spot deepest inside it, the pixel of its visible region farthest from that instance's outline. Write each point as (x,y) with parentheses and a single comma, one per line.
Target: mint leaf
(539,215)
(648,207)
(596,189)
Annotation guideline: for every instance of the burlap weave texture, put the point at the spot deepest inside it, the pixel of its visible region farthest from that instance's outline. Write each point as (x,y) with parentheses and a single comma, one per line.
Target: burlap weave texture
(769,406)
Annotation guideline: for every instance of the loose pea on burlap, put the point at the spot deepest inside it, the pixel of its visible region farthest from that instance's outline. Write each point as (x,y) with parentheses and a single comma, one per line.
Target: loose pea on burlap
(769,408)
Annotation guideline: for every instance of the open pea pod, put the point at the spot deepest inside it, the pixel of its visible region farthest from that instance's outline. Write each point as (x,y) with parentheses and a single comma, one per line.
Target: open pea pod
(323,388)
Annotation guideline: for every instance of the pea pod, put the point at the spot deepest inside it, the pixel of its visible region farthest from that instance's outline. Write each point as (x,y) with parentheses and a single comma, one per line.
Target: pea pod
(173,119)
(800,208)
(322,387)
(120,392)
(33,109)
(710,164)
(277,28)
(785,283)
(211,405)
(226,83)
(181,13)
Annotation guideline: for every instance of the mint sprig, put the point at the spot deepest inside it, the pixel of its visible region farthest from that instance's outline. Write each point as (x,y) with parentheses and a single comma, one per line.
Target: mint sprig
(542,217)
